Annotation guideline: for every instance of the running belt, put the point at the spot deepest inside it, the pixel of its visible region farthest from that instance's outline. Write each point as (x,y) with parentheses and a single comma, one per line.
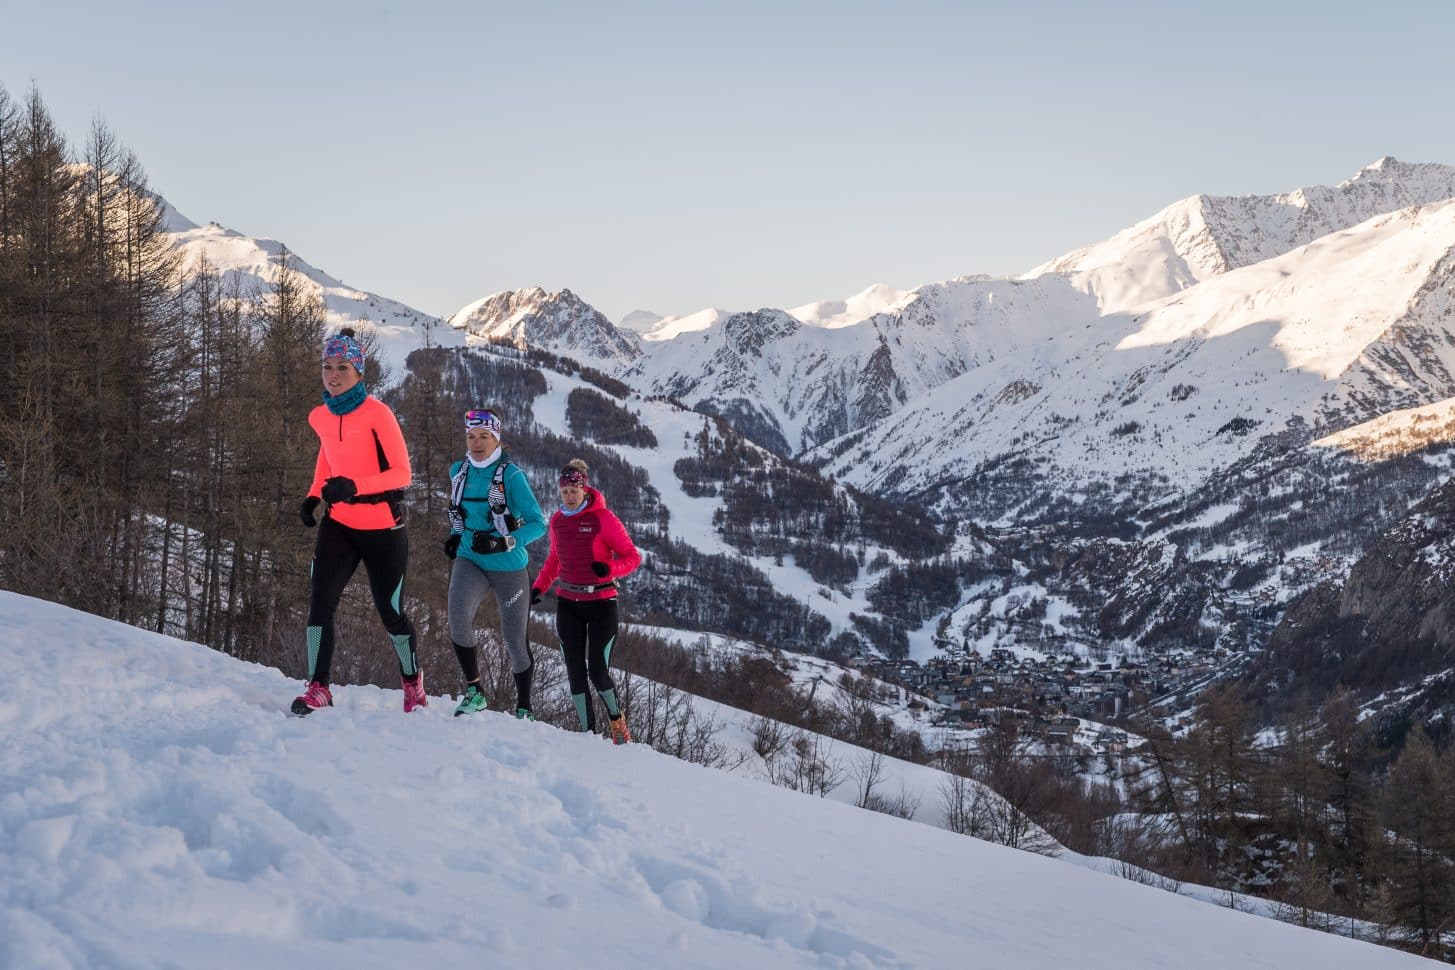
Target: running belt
(580,588)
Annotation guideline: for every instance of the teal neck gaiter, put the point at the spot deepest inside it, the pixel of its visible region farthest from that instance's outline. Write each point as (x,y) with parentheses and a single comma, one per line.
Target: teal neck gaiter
(349,400)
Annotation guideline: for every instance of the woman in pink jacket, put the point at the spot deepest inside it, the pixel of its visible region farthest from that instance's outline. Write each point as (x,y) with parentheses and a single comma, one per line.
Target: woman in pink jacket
(590,551)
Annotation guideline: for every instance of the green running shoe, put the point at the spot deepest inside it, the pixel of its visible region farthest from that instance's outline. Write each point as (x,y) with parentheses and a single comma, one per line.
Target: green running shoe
(524,714)
(473,701)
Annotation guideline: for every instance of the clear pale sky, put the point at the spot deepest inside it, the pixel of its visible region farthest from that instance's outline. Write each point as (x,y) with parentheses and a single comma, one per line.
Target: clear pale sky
(676,156)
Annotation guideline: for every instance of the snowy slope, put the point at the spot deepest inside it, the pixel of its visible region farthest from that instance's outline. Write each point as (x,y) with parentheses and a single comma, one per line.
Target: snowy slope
(185,821)
(1396,433)
(667,328)
(879,298)
(252,262)
(825,313)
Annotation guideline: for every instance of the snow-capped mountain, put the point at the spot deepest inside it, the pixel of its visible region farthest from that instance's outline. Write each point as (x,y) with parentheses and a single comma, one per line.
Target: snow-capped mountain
(560,322)
(1325,336)
(792,385)
(1204,236)
(795,379)
(254,263)
(1347,284)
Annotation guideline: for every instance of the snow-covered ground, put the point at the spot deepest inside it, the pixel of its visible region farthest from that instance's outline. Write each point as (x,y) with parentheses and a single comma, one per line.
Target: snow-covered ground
(159,809)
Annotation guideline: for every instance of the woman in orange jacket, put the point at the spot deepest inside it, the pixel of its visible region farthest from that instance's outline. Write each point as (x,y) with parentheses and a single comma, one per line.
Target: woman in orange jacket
(356,501)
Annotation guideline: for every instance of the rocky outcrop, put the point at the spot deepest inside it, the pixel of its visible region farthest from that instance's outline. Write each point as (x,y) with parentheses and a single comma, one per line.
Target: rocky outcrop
(1388,630)
(561,323)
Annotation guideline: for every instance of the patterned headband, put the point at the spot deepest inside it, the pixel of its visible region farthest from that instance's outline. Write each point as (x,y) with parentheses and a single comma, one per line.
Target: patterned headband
(341,345)
(481,418)
(572,476)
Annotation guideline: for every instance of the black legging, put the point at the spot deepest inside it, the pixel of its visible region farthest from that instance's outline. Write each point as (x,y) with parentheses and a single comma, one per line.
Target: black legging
(588,632)
(340,549)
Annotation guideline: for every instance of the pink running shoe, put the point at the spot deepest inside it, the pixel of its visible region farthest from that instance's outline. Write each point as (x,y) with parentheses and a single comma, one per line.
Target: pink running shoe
(316,696)
(414,692)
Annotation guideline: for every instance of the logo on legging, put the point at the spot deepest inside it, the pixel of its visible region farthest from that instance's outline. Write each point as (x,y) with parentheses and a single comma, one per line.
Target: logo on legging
(518,594)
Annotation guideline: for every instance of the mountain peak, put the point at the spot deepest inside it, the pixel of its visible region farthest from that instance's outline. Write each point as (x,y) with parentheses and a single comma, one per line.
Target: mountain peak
(559,322)
(749,332)
(1421,182)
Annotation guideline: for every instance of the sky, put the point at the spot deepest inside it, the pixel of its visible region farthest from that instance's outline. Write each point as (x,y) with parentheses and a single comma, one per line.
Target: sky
(676,156)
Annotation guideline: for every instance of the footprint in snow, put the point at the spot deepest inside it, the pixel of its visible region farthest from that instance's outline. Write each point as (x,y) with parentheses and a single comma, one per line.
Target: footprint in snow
(703,896)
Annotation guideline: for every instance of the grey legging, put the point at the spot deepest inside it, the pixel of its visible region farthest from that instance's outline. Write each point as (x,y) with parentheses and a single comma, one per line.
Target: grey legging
(468,586)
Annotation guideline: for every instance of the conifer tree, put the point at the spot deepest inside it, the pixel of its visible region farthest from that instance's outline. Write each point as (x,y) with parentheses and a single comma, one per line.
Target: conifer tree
(1422,873)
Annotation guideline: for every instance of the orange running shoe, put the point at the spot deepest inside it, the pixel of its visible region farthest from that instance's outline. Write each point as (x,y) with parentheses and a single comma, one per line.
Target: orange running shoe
(620,733)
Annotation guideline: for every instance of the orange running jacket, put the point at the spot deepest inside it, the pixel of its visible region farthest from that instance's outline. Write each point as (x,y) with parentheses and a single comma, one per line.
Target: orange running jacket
(367,446)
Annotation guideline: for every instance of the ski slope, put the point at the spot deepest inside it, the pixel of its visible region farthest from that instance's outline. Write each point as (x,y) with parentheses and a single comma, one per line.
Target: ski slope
(158,809)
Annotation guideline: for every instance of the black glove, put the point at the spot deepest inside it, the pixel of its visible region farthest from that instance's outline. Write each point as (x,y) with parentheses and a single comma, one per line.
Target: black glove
(601,569)
(452,544)
(308,510)
(535,596)
(485,544)
(339,490)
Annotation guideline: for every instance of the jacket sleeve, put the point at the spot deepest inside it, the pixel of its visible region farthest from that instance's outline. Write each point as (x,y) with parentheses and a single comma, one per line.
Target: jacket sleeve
(549,570)
(449,487)
(391,439)
(320,474)
(625,556)
(522,501)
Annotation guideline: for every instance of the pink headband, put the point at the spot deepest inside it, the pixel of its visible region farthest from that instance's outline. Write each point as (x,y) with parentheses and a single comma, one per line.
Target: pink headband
(572,476)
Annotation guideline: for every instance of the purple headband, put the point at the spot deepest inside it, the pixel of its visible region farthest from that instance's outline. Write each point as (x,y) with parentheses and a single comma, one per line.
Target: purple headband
(481,418)
(572,476)
(340,345)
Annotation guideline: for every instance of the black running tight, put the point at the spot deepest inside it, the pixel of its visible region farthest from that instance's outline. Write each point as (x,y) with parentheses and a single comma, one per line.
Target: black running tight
(588,632)
(385,555)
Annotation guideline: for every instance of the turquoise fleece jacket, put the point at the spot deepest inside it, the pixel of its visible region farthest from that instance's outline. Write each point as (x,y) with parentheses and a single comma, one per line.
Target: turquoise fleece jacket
(476,505)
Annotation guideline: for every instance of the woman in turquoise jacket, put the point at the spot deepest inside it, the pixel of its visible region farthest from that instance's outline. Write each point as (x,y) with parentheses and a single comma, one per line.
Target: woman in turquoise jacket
(493,517)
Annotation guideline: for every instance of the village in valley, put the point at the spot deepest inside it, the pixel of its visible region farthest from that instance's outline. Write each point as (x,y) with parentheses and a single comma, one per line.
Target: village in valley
(1061,699)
